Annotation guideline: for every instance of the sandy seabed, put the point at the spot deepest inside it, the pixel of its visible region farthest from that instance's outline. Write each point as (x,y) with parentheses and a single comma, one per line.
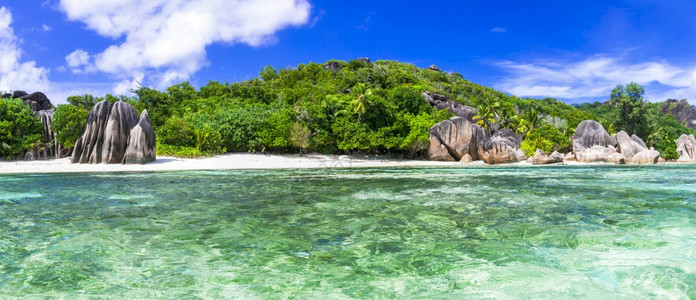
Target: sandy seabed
(222,162)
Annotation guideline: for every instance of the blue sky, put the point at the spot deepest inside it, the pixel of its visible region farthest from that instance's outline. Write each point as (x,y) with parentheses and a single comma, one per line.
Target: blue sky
(572,50)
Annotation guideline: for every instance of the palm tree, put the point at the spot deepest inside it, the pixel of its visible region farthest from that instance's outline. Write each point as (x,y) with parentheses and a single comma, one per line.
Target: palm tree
(361,102)
(486,115)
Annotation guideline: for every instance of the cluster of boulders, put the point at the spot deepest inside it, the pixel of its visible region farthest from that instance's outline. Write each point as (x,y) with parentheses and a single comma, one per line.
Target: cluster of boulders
(43,109)
(115,134)
(459,139)
(592,143)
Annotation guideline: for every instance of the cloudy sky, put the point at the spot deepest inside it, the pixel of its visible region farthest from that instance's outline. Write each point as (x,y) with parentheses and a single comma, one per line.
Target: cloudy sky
(572,50)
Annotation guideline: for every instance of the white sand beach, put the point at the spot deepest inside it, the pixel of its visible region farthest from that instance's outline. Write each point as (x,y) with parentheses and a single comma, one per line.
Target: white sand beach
(222,162)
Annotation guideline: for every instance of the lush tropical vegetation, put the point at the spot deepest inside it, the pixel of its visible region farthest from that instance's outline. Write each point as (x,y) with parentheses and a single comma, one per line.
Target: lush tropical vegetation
(347,107)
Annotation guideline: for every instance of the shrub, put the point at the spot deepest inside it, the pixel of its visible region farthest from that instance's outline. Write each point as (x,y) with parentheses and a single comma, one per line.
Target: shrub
(19,128)
(69,123)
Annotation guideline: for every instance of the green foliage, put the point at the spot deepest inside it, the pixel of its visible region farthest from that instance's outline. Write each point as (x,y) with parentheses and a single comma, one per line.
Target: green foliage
(84,101)
(69,123)
(547,138)
(632,112)
(363,107)
(19,128)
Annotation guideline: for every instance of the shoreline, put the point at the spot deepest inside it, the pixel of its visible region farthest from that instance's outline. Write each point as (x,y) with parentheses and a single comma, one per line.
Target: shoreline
(251,161)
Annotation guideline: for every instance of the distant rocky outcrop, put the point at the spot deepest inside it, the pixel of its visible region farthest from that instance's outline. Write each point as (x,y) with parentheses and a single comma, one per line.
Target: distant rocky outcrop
(107,136)
(434,68)
(681,110)
(686,148)
(37,100)
(441,102)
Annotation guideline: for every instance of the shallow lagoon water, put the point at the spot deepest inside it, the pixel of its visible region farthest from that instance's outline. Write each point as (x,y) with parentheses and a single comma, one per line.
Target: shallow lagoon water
(496,232)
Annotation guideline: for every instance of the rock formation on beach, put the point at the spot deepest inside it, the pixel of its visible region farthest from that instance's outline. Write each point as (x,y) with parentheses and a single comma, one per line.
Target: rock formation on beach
(681,110)
(592,143)
(501,148)
(454,139)
(686,148)
(540,158)
(107,137)
(451,139)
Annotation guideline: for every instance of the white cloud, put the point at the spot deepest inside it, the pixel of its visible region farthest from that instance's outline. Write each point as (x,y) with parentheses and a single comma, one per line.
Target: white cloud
(594,78)
(78,61)
(167,39)
(498,30)
(15,73)
(46,28)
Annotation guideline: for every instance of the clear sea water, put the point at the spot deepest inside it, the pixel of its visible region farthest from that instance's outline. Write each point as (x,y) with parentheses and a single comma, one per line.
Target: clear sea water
(597,232)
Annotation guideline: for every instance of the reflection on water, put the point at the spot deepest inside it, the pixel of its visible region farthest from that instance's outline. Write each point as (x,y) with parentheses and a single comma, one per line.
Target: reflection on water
(570,232)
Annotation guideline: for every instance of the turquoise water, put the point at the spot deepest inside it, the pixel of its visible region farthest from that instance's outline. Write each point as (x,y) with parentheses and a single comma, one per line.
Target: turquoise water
(507,232)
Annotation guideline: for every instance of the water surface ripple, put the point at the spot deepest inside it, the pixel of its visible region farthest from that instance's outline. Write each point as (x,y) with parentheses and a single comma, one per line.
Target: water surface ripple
(528,232)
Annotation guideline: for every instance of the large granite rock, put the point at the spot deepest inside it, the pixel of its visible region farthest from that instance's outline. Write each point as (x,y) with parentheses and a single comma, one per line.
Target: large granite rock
(107,133)
(590,133)
(686,148)
(141,148)
(646,157)
(437,151)
(503,147)
(458,136)
(51,149)
(629,146)
(592,143)
(681,110)
(616,158)
(595,154)
(540,158)
(441,102)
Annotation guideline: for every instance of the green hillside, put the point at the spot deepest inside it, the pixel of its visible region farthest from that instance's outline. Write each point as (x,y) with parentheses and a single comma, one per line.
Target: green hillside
(361,107)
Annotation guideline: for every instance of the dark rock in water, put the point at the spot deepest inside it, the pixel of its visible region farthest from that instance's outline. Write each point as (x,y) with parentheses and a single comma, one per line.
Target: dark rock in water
(686,147)
(107,132)
(503,147)
(434,68)
(681,110)
(458,136)
(590,133)
(441,102)
(142,143)
(332,65)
